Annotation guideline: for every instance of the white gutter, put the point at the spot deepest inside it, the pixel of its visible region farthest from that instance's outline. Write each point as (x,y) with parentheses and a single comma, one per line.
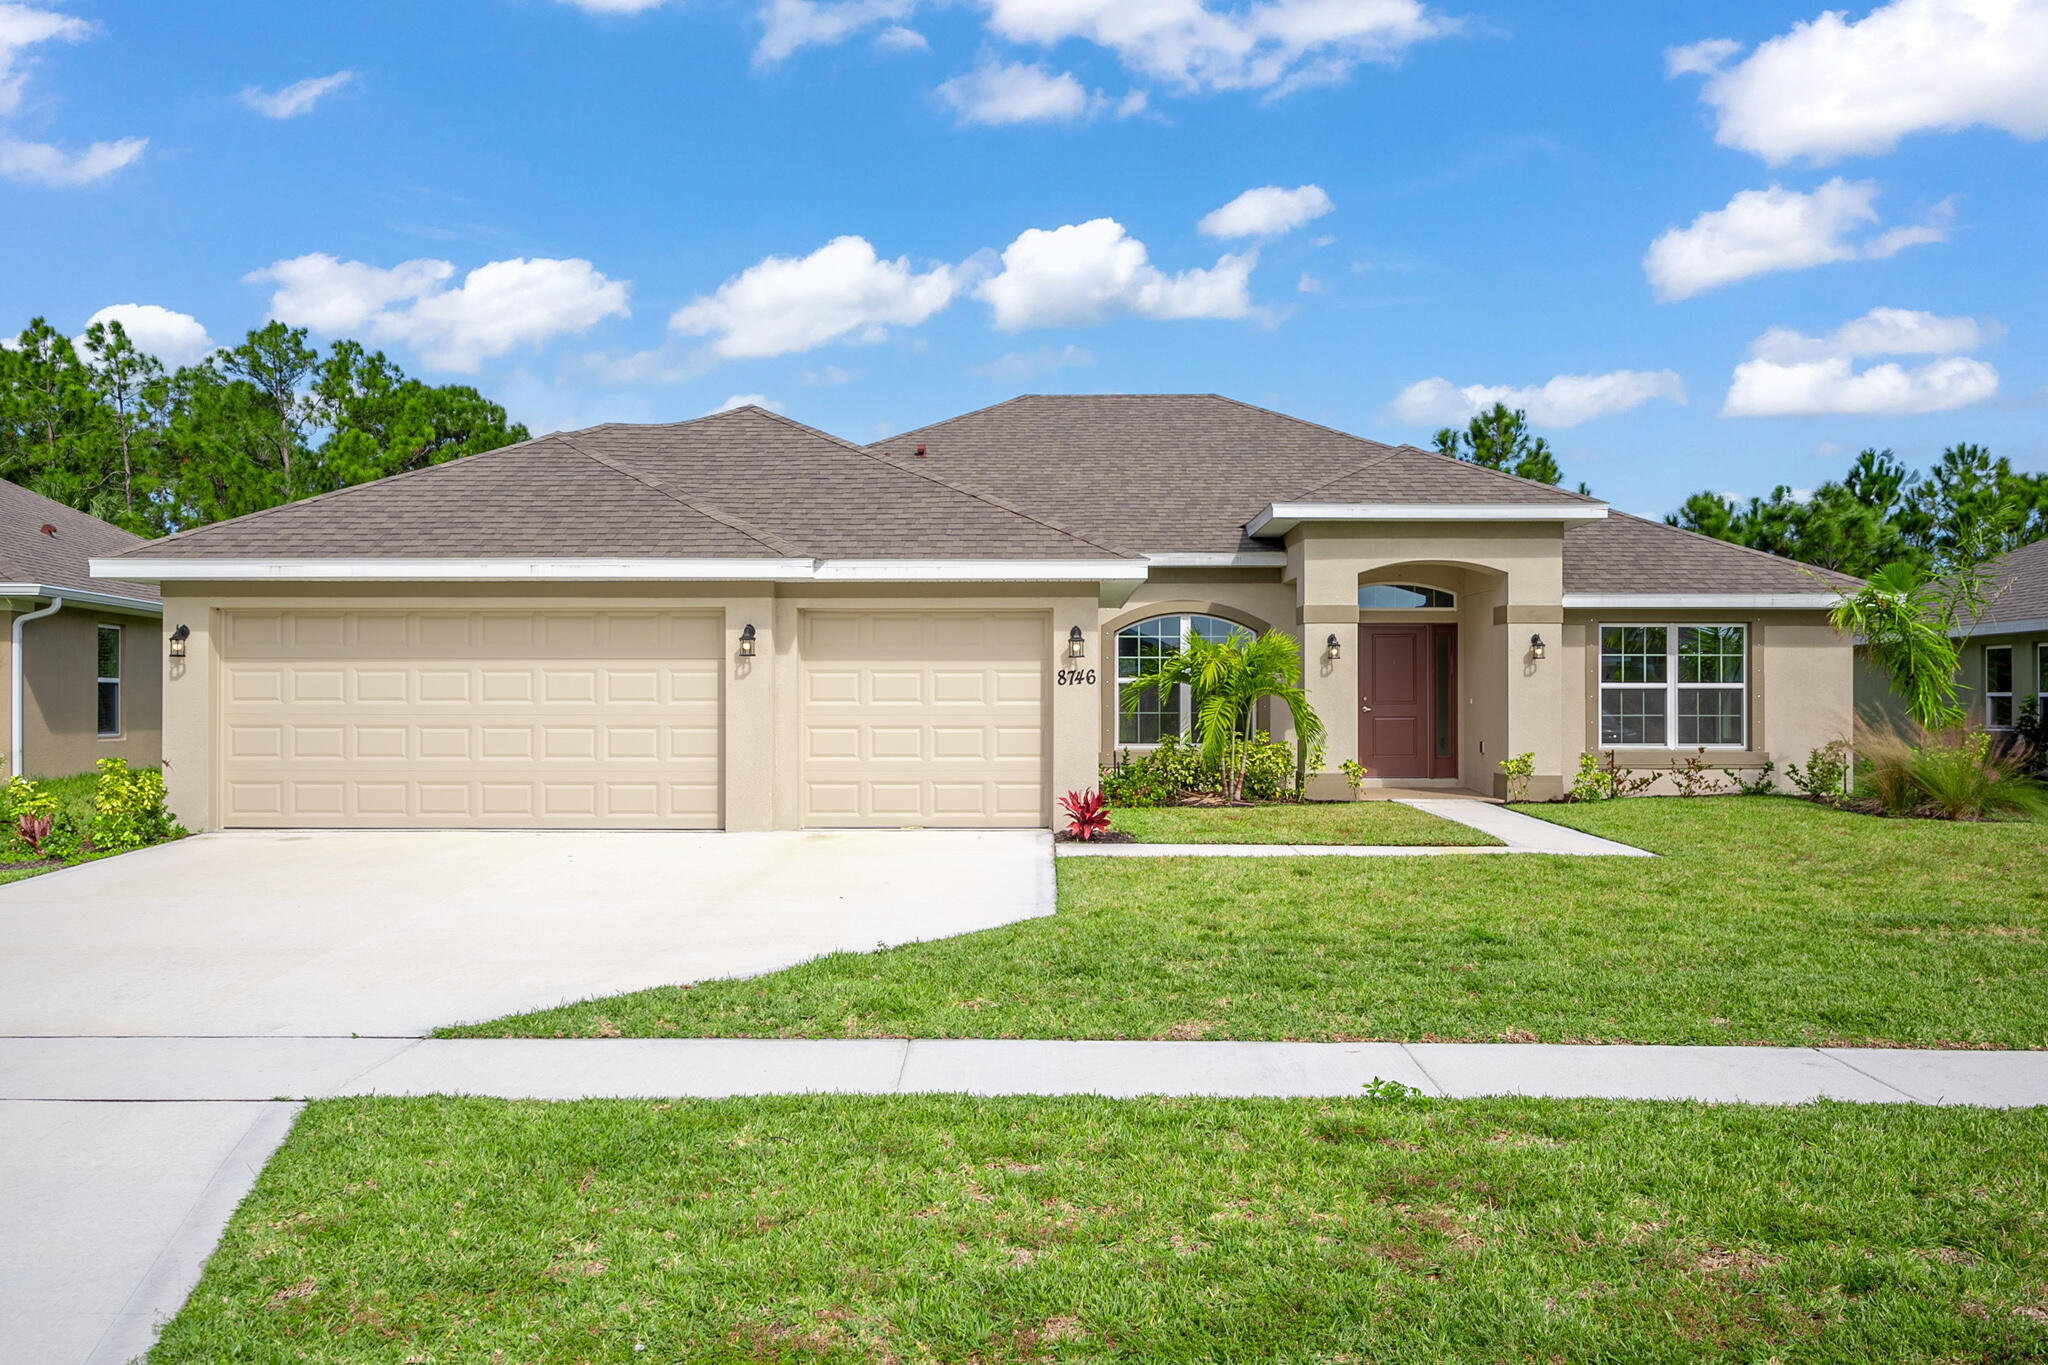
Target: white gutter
(14,752)
(1703,601)
(1234,559)
(1984,628)
(651,570)
(978,570)
(83,599)
(1281,517)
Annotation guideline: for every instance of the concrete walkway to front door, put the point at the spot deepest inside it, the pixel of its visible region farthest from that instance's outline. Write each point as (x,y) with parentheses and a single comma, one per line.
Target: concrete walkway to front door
(1517,833)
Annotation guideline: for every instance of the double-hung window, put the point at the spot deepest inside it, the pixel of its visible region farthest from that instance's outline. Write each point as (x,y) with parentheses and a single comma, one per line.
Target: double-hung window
(2041,680)
(110,682)
(1674,687)
(1139,650)
(1998,686)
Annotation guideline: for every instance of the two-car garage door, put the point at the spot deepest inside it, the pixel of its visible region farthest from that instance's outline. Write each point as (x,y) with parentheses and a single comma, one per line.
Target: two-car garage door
(517,719)
(520,718)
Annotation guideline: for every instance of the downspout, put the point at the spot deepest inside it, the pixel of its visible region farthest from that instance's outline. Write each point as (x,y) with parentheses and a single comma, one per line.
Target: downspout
(14,753)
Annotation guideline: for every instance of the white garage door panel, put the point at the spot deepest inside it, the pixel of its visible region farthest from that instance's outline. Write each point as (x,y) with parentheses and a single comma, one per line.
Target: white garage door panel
(924,718)
(471,718)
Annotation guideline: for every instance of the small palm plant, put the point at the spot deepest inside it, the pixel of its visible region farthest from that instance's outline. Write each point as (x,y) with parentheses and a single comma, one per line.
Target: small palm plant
(1227,680)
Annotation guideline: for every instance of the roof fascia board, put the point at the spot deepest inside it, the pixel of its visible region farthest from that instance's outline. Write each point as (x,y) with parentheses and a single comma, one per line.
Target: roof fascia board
(1984,628)
(84,597)
(1281,517)
(1701,601)
(979,570)
(1234,559)
(161,570)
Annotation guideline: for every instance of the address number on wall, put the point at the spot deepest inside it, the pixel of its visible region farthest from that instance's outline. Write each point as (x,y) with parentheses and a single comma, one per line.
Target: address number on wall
(1077,677)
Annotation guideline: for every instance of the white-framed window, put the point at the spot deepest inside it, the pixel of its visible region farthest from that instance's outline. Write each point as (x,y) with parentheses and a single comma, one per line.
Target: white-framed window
(2041,680)
(1674,687)
(110,682)
(1998,686)
(1139,649)
(1404,597)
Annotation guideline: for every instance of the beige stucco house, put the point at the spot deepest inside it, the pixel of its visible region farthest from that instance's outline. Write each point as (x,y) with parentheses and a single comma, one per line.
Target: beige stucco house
(83,674)
(742,622)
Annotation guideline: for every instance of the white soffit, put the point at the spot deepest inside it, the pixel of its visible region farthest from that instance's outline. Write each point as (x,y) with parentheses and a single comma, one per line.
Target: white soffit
(168,569)
(1281,517)
(1702,601)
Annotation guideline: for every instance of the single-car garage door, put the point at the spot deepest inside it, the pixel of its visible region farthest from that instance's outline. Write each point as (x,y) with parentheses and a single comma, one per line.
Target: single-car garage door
(924,718)
(449,719)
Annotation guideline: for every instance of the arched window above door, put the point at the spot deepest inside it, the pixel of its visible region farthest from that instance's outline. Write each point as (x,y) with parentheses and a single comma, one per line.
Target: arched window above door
(1403,597)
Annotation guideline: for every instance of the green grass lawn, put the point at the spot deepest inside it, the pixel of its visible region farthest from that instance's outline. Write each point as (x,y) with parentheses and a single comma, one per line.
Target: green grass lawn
(946,1229)
(1348,822)
(1766,920)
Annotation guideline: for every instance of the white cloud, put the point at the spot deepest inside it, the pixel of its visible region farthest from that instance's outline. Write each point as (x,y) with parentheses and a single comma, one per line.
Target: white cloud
(21,28)
(790,25)
(39,163)
(841,290)
(1778,229)
(614,6)
(897,38)
(1789,374)
(174,338)
(1015,92)
(1266,212)
(1565,401)
(296,98)
(1309,284)
(826,375)
(497,308)
(1031,364)
(1086,273)
(746,400)
(1277,45)
(1831,88)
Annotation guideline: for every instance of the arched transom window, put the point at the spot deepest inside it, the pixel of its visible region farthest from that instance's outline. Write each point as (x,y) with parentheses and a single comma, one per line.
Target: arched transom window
(1139,650)
(1402,596)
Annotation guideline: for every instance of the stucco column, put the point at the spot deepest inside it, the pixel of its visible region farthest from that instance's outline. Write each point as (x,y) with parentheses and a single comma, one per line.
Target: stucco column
(188,713)
(1539,692)
(1332,687)
(1077,700)
(749,705)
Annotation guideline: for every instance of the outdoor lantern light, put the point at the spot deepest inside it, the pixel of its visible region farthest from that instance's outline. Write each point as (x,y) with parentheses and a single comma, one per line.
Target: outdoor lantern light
(1077,648)
(178,639)
(1535,646)
(1336,651)
(747,641)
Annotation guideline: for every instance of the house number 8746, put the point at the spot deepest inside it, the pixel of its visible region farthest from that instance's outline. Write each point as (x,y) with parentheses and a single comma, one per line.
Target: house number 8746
(1075,677)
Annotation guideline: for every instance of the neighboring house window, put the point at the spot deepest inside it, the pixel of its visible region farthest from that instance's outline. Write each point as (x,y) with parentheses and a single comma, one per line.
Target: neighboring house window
(1139,650)
(1998,686)
(110,682)
(1674,687)
(2040,681)
(1402,597)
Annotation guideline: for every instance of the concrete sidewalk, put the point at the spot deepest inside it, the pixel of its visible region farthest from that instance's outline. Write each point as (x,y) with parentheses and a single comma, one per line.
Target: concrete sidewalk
(292,1069)
(1517,833)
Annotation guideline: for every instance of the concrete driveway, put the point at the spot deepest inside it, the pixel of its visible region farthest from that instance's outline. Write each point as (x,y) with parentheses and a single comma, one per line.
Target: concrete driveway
(388,933)
(111,1207)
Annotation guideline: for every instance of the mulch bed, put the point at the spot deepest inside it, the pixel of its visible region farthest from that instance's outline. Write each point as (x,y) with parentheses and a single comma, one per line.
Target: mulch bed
(1114,836)
(36,866)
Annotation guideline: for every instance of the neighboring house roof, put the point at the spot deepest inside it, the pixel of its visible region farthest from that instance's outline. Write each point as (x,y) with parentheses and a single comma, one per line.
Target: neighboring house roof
(32,557)
(2018,588)
(1187,472)
(744,484)
(1624,554)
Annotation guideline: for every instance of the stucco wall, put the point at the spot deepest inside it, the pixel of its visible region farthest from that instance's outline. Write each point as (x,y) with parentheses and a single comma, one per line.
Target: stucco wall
(1880,710)
(60,702)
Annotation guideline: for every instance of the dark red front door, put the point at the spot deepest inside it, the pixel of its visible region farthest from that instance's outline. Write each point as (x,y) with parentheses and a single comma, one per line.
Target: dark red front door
(1407,714)
(1393,696)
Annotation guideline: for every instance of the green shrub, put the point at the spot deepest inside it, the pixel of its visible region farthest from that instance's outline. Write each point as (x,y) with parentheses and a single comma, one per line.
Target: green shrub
(1952,777)
(1177,769)
(1354,773)
(1519,770)
(128,808)
(1826,774)
(1600,778)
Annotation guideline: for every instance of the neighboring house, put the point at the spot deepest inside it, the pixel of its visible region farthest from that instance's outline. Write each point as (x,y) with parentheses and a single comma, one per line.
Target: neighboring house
(2004,663)
(83,676)
(743,622)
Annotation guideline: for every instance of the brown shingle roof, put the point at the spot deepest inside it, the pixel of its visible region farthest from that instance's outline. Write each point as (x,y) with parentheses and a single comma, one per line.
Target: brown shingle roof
(27,555)
(2019,586)
(745,484)
(1186,472)
(1621,553)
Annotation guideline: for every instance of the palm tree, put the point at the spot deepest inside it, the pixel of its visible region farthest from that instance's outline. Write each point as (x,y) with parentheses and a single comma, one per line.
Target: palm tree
(1905,630)
(1228,679)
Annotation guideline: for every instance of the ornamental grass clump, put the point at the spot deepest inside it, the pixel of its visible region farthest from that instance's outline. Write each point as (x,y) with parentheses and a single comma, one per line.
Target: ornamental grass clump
(1951,776)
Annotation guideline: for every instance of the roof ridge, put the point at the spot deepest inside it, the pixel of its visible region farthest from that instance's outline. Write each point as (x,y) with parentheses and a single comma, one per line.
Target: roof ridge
(1732,545)
(384,482)
(66,508)
(1378,459)
(961,417)
(767,539)
(929,477)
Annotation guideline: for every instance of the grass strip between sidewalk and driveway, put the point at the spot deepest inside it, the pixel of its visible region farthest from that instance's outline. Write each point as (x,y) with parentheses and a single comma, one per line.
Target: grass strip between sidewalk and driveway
(1380,823)
(1765,920)
(947,1229)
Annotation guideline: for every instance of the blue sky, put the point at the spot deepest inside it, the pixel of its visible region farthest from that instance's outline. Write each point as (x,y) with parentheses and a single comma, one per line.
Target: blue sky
(1760,237)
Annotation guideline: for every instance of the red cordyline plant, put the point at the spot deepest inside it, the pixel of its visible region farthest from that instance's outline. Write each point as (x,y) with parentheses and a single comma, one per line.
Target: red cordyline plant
(1087,818)
(33,829)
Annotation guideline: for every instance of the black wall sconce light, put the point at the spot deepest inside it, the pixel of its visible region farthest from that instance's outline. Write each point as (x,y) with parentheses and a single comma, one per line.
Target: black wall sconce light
(747,641)
(1077,646)
(178,639)
(1536,649)
(1334,649)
